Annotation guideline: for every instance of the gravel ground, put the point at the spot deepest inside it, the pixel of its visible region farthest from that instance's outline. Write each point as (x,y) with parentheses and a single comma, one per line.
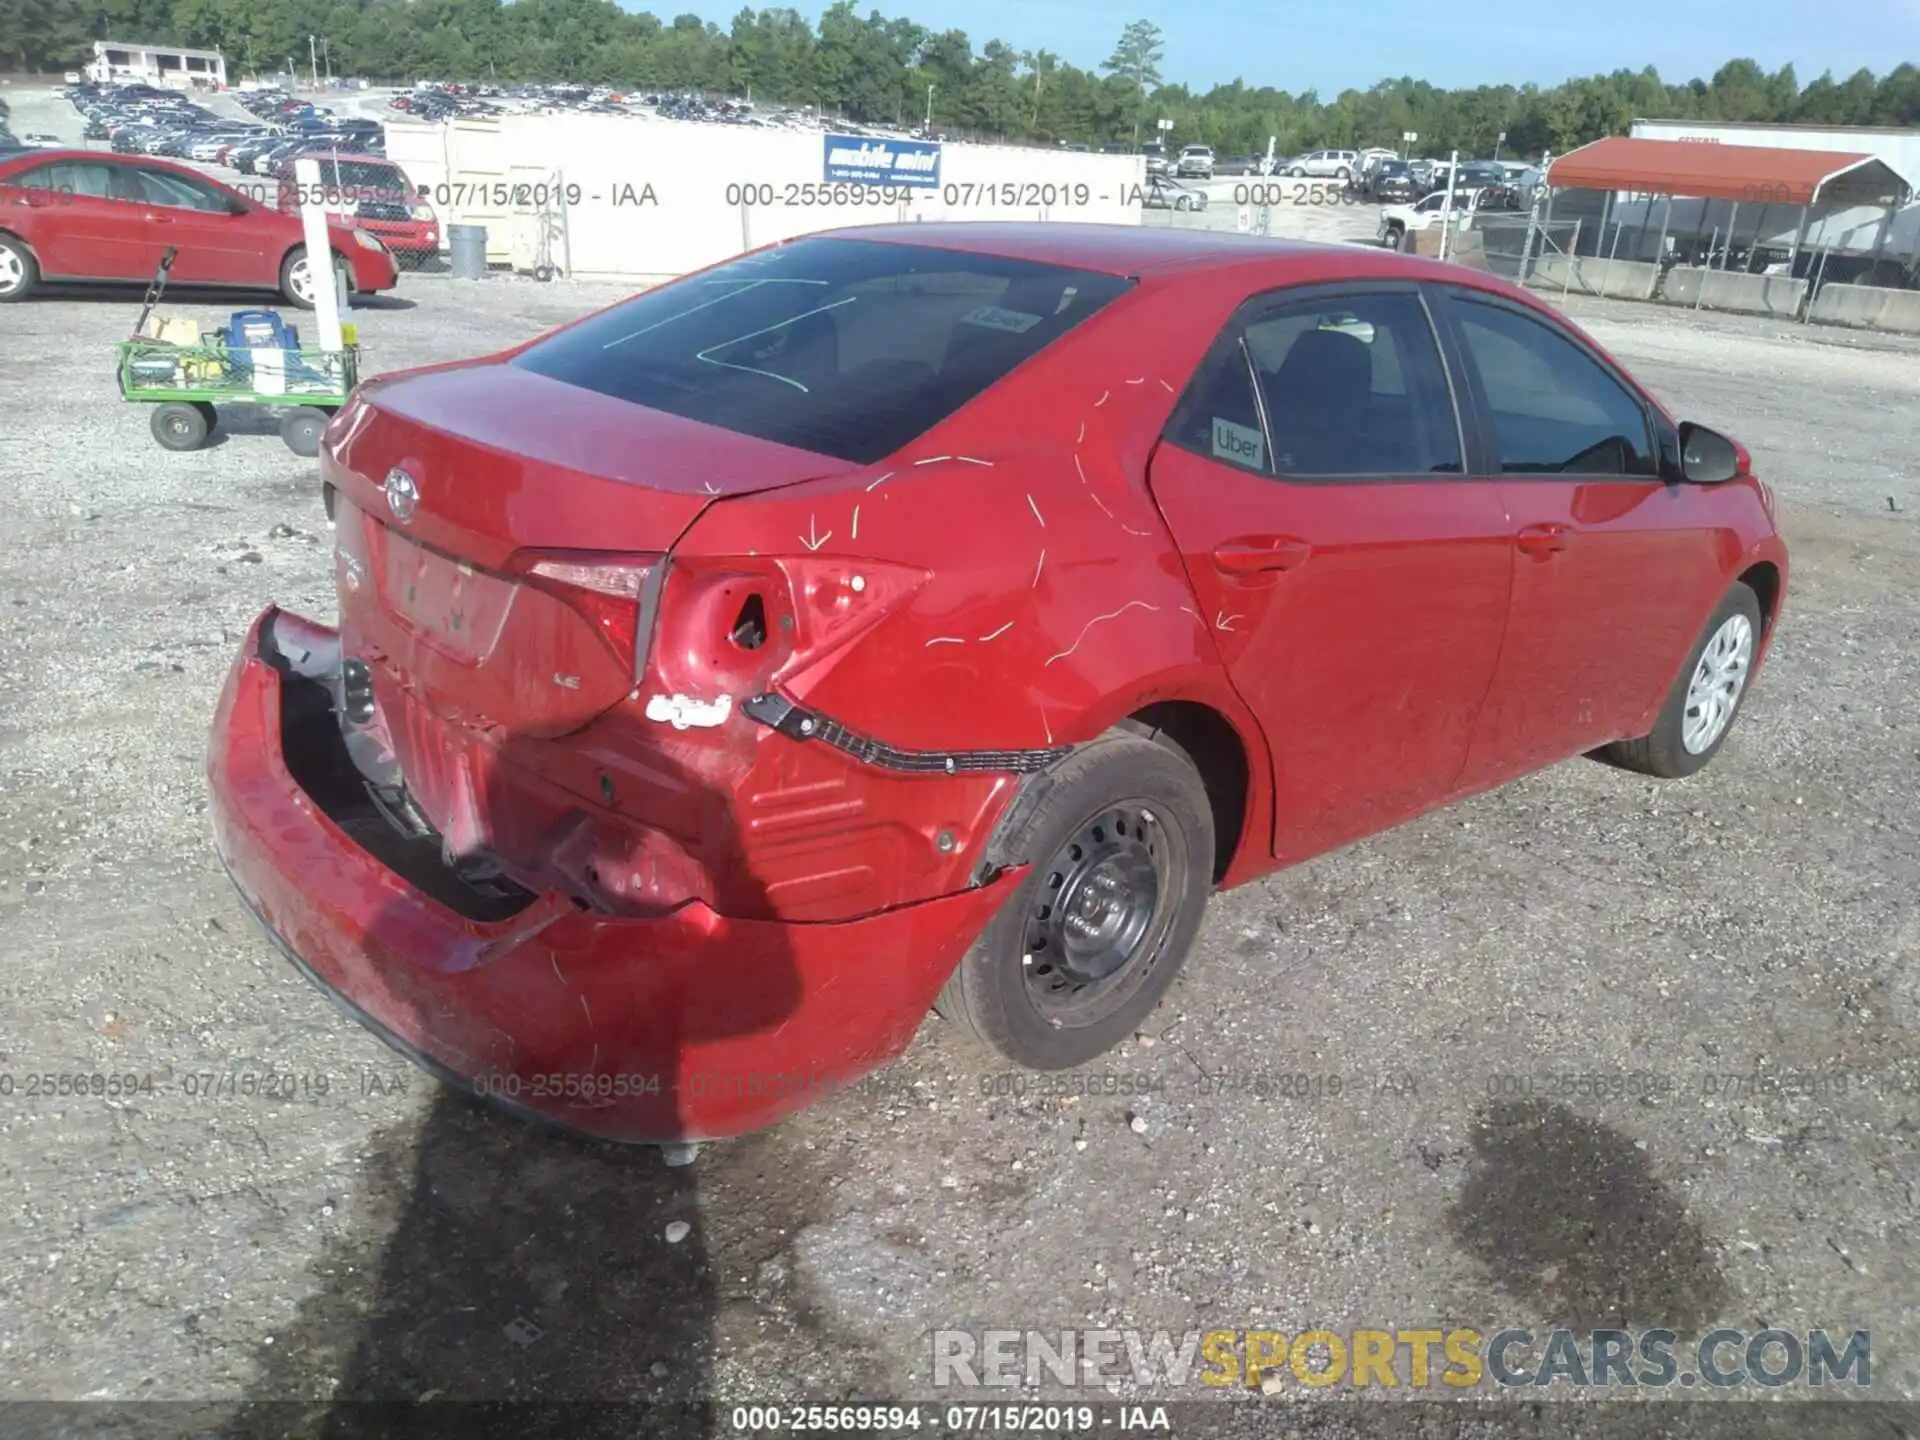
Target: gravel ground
(384,1238)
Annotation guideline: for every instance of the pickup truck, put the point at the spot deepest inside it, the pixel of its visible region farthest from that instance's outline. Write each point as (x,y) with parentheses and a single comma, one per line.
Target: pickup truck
(1398,221)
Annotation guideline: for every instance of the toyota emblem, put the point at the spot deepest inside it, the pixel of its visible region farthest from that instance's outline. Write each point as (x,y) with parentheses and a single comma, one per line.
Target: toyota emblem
(403,496)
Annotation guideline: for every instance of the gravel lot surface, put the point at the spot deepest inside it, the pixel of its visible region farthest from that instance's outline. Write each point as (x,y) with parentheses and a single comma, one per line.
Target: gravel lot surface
(385,1238)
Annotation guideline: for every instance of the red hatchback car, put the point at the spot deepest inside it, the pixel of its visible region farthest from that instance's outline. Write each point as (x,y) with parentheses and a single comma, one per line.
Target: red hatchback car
(89,215)
(932,616)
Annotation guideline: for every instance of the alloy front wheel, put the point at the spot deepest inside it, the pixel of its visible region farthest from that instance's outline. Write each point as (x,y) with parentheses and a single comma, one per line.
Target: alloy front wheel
(1718,679)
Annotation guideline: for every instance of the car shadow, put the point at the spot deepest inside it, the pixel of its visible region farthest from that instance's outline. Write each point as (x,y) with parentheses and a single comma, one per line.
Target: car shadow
(490,1275)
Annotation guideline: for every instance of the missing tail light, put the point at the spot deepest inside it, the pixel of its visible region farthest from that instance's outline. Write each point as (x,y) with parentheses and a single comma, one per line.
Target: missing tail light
(737,625)
(750,625)
(617,593)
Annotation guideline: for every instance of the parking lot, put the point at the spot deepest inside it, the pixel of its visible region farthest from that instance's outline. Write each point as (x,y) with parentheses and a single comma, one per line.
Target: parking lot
(1746,937)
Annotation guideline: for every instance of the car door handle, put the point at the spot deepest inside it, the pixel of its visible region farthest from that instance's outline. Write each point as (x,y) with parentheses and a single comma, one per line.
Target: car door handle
(1540,541)
(1257,553)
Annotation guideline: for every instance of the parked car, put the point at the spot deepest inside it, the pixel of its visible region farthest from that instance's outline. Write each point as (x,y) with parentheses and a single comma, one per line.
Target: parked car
(1161,192)
(1240,165)
(1324,164)
(1157,162)
(1479,174)
(86,215)
(711,696)
(1195,163)
(1391,181)
(40,140)
(367,192)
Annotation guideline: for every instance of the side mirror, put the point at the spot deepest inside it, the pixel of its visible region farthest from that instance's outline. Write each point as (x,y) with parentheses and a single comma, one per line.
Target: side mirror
(1707,457)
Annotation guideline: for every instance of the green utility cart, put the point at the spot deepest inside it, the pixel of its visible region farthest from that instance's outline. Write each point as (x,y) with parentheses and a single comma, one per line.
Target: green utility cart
(185,383)
(257,360)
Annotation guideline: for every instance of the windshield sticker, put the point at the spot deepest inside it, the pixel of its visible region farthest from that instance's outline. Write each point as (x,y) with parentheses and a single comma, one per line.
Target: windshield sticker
(992,317)
(1241,444)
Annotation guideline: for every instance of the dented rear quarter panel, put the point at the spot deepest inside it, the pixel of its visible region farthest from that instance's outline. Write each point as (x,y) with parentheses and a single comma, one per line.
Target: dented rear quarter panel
(1054,602)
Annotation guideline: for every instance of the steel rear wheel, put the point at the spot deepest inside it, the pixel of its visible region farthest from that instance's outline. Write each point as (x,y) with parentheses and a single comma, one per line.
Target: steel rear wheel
(1103,899)
(1119,837)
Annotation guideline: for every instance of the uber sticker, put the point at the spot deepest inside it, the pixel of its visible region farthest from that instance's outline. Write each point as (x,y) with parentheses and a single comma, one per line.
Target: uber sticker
(992,317)
(1239,443)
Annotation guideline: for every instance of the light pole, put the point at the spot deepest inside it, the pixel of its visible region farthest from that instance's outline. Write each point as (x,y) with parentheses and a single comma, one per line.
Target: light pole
(1501,140)
(929,109)
(313,60)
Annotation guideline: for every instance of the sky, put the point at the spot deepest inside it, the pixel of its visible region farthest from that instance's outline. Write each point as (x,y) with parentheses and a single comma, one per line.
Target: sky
(1331,48)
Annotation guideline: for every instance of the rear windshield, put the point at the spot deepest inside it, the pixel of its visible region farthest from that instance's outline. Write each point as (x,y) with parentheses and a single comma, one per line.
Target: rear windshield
(848,348)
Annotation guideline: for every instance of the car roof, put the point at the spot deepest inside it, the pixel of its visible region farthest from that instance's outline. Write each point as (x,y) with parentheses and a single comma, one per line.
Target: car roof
(1138,250)
(351,155)
(74,152)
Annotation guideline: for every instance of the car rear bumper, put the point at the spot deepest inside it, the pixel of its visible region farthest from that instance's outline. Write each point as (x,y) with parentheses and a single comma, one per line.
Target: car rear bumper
(687,1026)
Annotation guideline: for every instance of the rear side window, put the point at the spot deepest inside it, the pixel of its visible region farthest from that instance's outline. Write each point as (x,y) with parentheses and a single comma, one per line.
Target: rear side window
(70,177)
(848,348)
(1320,389)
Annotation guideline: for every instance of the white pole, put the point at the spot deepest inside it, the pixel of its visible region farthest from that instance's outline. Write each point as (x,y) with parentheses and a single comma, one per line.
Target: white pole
(1446,215)
(313,220)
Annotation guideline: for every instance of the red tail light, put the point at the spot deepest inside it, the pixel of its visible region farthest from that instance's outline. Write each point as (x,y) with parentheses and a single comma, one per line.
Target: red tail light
(612,590)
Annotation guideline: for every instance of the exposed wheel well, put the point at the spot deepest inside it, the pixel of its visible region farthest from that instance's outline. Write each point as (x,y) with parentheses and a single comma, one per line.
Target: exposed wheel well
(1764,580)
(19,240)
(1210,742)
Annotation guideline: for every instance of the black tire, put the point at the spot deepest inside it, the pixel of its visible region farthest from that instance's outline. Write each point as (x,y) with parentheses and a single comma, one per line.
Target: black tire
(1396,238)
(302,429)
(178,425)
(1126,822)
(19,271)
(1663,751)
(1297,173)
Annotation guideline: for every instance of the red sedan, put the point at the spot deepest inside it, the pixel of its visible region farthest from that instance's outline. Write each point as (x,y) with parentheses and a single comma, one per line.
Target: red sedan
(88,215)
(933,616)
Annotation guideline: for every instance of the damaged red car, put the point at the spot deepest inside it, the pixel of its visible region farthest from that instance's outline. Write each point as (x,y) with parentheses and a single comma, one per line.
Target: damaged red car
(931,617)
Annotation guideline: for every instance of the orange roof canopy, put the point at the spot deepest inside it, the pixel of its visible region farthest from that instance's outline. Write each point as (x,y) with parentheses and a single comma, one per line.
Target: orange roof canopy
(1749,174)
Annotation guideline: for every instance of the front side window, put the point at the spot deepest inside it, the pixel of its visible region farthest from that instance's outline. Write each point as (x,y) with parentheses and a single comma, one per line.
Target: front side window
(849,348)
(1348,386)
(178,192)
(1556,409)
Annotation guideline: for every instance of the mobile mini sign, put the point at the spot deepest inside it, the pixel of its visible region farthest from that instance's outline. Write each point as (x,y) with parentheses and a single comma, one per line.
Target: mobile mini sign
(864,160)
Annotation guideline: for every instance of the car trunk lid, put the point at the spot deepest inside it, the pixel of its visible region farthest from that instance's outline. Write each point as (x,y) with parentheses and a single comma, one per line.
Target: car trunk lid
(501,534)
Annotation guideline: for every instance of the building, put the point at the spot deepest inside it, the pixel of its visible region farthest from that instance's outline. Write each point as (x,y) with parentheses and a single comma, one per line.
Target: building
(117,63)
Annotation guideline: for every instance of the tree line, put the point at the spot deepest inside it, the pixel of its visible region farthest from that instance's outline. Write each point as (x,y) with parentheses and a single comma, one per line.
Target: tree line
(891,71)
